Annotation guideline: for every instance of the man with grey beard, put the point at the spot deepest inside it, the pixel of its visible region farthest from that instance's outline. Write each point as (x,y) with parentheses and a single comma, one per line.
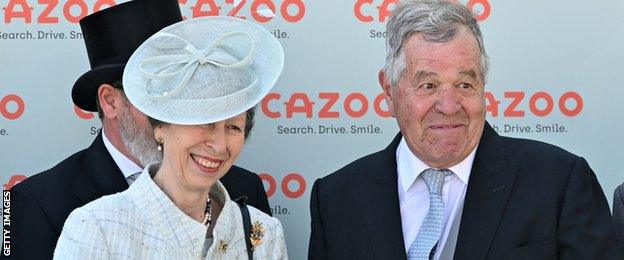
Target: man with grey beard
(137,137)
(126,144)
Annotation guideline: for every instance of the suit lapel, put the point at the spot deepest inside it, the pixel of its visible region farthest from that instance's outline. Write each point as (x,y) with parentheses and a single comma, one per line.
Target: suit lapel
(380,203)
(491,182)
(99,174)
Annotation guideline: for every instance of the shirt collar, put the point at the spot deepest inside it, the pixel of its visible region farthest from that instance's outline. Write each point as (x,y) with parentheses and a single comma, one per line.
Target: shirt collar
(127,166)
(410,166)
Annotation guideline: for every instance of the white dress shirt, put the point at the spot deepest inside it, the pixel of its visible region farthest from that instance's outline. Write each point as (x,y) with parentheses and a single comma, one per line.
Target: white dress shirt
(127,166)
(414,195)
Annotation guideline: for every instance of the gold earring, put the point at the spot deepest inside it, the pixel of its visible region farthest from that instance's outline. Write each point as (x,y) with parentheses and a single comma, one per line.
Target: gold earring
(160,144)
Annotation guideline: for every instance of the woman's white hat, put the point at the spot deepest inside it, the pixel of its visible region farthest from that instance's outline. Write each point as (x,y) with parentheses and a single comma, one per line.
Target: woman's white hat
(203,70)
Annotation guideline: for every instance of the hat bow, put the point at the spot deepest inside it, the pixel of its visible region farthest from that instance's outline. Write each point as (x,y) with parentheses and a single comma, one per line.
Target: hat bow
(169,66)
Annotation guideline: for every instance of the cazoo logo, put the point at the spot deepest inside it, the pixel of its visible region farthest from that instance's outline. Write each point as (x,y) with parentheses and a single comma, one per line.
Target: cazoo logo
(323,105)
(55,11)
(12,106)
(14,180)
(569,104)
(86,115)
(286,185)
(378,11)
(327,105)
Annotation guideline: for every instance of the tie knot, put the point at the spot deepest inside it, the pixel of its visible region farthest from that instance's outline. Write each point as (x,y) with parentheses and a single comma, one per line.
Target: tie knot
(133,178)
(434,178)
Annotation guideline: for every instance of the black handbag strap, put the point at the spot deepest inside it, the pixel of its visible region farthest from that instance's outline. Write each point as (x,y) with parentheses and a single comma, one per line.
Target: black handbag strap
(246,224)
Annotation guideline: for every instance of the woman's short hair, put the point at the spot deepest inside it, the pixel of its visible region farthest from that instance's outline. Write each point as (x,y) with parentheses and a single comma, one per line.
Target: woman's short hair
(249,121)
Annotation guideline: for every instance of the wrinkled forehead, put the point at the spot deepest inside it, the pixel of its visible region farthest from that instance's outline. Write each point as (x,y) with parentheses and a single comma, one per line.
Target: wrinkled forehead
(461,49)
(459,32)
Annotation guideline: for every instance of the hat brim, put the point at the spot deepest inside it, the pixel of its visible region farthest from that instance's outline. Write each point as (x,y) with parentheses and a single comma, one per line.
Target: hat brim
(267,64)
(84,92)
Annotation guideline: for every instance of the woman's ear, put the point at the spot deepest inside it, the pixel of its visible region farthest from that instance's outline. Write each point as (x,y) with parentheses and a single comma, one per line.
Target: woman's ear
(158,134)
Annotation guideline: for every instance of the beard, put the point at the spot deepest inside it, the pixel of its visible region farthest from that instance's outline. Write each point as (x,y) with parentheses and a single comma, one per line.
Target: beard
(138,138)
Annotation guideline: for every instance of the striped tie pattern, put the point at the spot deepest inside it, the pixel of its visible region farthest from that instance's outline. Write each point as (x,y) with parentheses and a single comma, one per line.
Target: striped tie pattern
(431,228)
(132,178)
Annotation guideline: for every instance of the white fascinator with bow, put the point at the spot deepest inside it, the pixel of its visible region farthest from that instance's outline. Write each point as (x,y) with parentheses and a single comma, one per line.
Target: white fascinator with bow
(203,70)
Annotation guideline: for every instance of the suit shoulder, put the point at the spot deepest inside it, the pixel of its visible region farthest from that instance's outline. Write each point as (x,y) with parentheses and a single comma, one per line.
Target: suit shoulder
(243,173)
(619,191)
(54,181)
(347,173)
(537,151)
(241,170)
(240,176)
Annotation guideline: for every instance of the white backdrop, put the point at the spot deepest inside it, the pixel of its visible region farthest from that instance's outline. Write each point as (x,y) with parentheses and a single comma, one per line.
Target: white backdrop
(555,77)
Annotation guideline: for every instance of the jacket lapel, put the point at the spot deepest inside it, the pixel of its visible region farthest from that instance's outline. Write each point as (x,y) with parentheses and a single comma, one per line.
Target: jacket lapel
(380,203)
(99,174)
(491,182)
(174,226)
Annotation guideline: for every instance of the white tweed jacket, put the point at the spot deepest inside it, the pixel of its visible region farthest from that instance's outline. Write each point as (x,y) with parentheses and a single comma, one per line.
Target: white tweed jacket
(143,223)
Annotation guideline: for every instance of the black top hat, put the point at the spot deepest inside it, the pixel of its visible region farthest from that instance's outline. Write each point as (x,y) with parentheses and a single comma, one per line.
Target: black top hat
(112,35)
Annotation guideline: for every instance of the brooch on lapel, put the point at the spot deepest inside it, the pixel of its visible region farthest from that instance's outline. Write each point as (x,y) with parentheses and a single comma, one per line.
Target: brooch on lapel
(257,233)
(222,246)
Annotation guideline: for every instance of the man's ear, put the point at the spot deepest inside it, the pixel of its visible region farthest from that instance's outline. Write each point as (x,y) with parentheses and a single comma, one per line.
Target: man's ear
(110,100)
(387,91)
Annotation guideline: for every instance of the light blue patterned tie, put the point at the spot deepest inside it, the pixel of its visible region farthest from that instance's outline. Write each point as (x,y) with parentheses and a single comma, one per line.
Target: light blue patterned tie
(132,178)
(431,228)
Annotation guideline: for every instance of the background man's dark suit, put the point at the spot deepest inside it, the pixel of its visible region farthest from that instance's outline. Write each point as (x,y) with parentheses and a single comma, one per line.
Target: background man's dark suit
(618,215)
(525,200)
(41,203)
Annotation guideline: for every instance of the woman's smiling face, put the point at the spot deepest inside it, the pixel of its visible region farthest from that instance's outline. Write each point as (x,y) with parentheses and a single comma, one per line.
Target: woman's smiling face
(199,155)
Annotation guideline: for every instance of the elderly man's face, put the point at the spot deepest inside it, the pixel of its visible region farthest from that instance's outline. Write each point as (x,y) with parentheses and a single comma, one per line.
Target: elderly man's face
(439,100)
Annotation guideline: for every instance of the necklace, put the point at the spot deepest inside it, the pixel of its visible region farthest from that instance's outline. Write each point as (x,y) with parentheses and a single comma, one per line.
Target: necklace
(208,213)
